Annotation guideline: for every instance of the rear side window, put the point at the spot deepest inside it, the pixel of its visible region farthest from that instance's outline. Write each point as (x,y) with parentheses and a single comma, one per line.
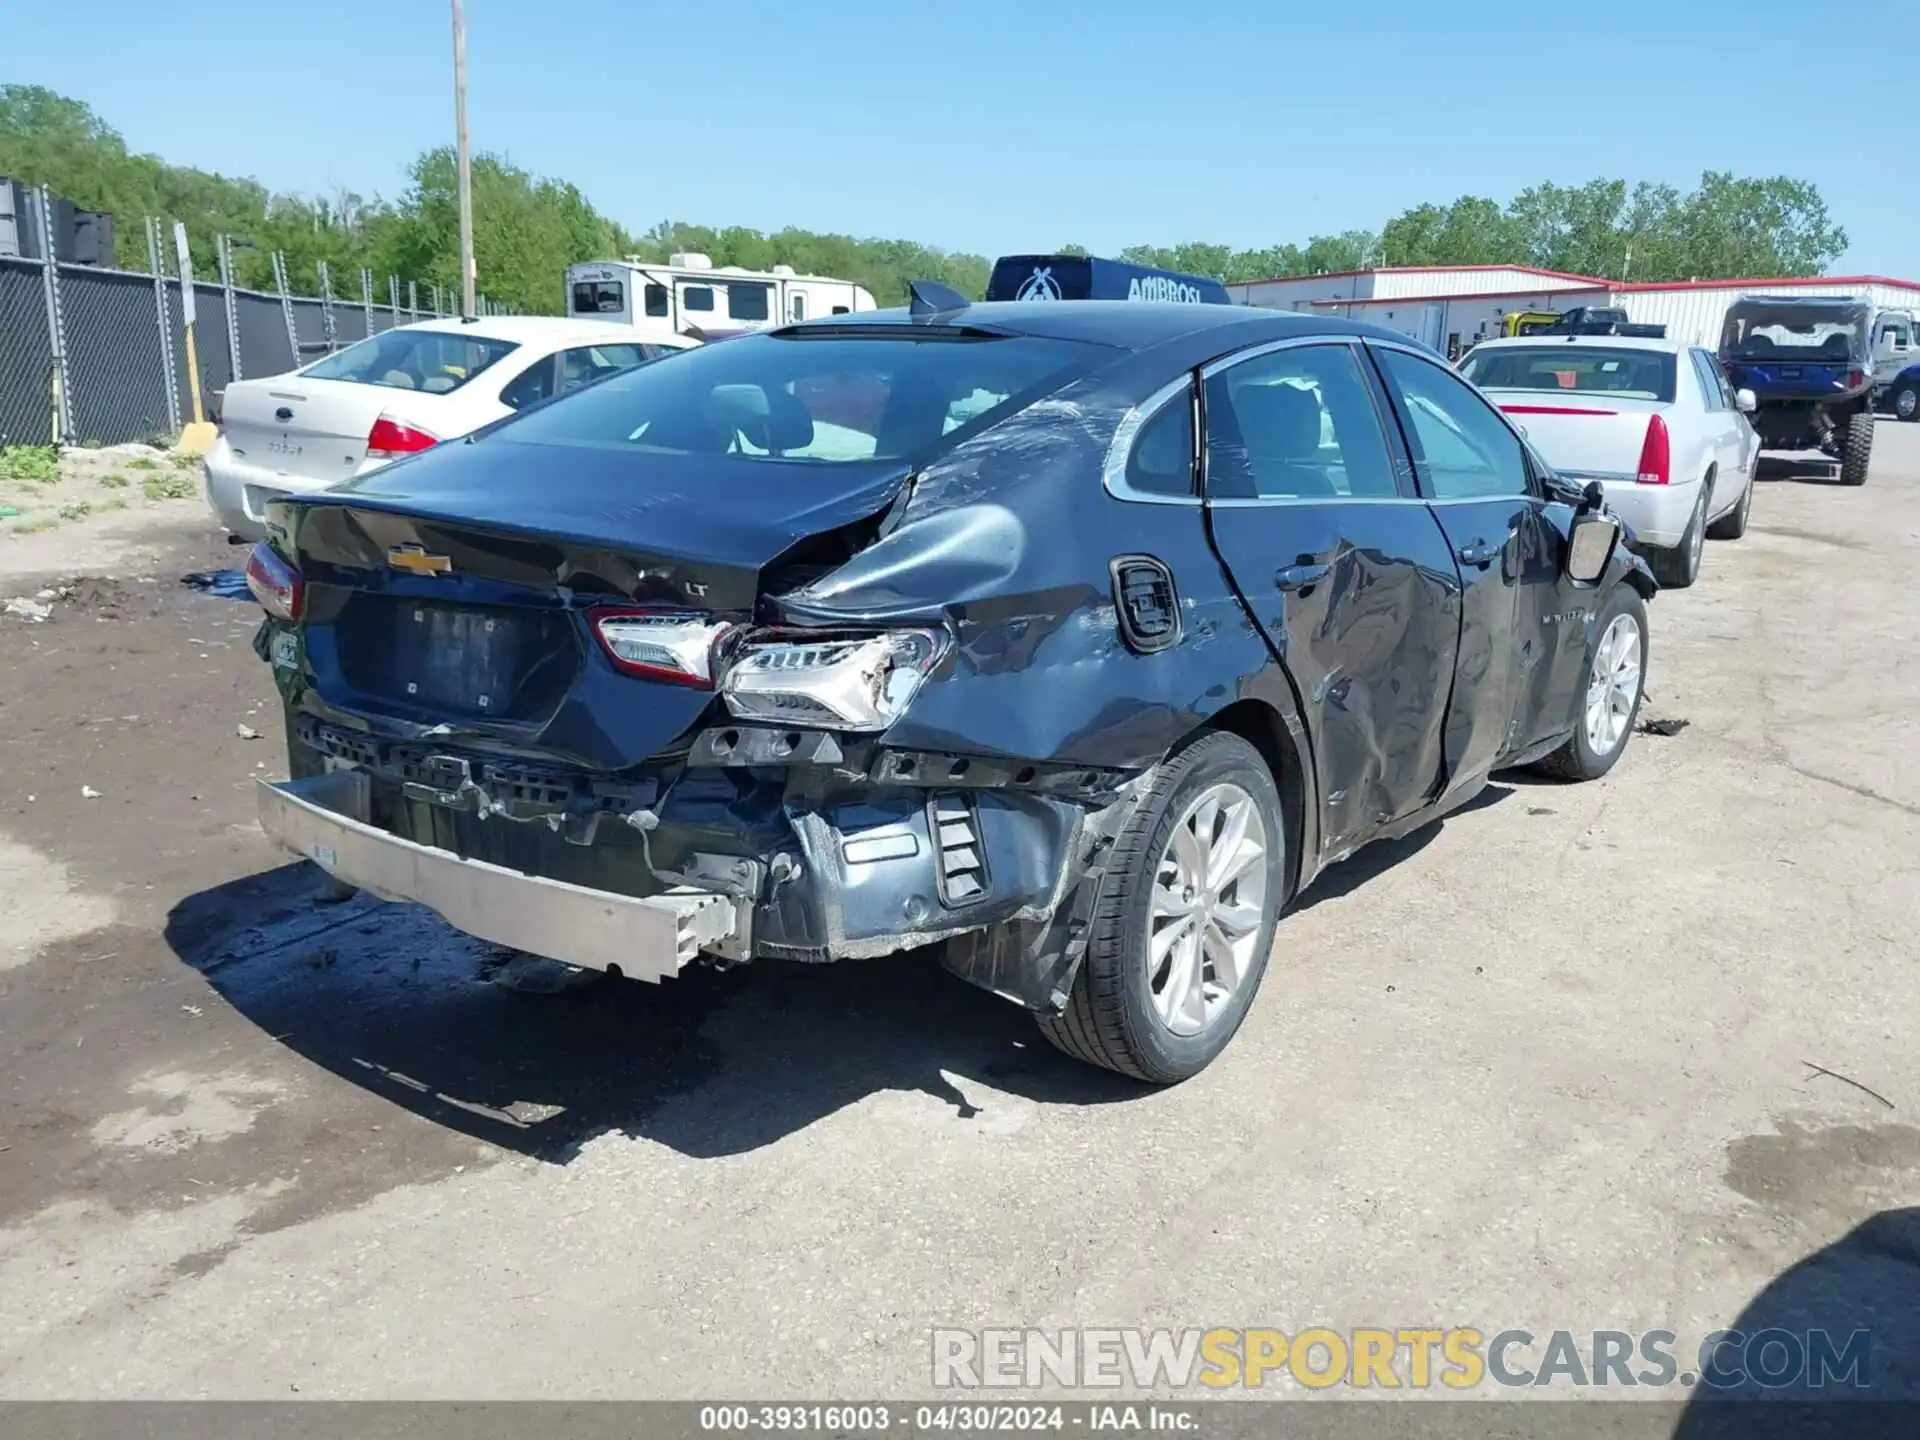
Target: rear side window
(1586,369)
(1162,458)
(435,361)
(886,394)
(1295,424)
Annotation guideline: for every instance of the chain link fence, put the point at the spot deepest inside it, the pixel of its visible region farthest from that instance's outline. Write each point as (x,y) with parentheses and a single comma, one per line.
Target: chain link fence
(90,356)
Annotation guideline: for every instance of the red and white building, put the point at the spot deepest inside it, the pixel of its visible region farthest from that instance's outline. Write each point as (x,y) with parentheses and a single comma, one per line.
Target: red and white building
(1453,307)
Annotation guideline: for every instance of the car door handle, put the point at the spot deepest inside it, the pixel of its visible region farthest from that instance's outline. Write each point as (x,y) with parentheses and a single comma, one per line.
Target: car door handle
(1478,552)
(1300,576)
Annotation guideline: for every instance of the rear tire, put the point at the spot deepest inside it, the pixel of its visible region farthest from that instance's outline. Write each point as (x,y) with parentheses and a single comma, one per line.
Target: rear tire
(1733,524)
(1679,566)
(1859,452)
(1594,749)
(1115,1016)
(1906,402)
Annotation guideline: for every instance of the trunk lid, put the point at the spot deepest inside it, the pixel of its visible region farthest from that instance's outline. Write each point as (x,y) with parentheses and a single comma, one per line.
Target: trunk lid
(315,429)
(452,592)
(1582,434)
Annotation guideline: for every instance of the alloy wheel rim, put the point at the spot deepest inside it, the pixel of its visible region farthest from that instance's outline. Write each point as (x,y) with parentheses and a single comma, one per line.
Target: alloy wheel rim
(1613,684)
(1208,906)
(1697,537)
(1907,402)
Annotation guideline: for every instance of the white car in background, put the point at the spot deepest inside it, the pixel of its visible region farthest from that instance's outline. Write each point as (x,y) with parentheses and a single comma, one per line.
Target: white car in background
(402,390)
(1653,421)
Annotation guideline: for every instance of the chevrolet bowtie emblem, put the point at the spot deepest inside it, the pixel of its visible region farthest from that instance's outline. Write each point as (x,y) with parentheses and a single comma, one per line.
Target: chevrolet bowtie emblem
(415,560)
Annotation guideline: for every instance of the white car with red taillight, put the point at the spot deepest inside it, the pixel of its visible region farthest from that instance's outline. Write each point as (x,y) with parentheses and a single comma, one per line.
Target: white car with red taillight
(397,392)
(1654,421)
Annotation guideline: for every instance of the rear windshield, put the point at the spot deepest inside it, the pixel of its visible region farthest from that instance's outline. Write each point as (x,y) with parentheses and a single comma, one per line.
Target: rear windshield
(827,397)
(1587,369)
(436,361)
(1794,332)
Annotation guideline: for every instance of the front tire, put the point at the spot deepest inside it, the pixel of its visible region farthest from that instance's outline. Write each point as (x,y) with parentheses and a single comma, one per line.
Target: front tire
(1906,401)
(1609,704)
(1859,452)
(1185,918)
(1679,567)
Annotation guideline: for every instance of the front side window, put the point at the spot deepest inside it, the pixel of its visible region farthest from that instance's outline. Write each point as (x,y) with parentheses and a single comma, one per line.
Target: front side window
(1298,423)
(889,393)
(746,301)
(435,361)
(1895,335)
(697,297)
(1462,448)
(1584,369)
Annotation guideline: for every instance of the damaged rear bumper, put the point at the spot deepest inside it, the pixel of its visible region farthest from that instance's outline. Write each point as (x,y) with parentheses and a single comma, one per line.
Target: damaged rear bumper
(758,844)
(651,938)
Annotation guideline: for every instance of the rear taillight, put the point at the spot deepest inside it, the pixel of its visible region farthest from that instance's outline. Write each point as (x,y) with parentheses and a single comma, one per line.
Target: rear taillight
(669,645)
(1855,379)
(274,583)
(1656,454)
(389,438)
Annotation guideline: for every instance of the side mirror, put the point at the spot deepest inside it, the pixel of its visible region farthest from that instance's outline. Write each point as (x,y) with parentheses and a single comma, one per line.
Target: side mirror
(1745,401)
(1590,545)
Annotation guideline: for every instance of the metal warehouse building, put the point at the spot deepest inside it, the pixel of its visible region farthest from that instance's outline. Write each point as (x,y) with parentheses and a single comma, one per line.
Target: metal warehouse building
(1452,308)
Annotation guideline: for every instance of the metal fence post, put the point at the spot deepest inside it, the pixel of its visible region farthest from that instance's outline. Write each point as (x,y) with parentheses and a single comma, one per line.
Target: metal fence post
(393,297)
(326,304)
(413,299)
(366,296)
(61,416)
(155,262)
(286,308)
(223,248)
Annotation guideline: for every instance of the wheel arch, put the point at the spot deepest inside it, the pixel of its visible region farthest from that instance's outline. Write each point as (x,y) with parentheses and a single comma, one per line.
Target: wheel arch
(1263,725)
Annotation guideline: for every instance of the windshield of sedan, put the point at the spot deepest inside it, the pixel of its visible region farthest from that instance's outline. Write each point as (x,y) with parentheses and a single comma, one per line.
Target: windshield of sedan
(1759,332)
(1624,373)
(436,361)
(826,396)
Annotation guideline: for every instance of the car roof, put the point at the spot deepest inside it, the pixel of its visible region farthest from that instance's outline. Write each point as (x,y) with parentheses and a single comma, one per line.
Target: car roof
(1126,324)
(549,329)
(1604,342)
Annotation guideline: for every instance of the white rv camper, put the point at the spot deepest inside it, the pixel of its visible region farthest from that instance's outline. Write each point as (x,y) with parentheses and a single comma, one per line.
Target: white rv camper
(690,295)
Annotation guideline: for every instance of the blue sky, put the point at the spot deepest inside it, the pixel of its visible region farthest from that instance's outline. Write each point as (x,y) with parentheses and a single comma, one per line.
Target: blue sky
(999,126)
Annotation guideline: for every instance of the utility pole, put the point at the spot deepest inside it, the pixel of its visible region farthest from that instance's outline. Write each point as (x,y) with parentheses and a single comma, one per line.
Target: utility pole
(466,169)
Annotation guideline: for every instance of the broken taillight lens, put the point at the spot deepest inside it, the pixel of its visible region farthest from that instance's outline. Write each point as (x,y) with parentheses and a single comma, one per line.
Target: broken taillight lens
(274,583)
(674,646)
(858,683)
(390,438)
(1656,454)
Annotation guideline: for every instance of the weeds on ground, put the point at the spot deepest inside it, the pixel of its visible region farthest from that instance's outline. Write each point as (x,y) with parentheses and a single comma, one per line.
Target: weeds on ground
(34,527)
(119,502)
(186,462)
(78,510)
(29,462)
(168,487)
(144,462)
(114,482)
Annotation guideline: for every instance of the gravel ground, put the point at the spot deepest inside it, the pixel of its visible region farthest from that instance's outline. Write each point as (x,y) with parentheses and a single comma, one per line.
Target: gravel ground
(1549,1064)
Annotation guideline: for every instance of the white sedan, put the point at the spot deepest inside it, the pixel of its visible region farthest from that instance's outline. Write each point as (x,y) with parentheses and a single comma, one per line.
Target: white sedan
(402,390)
(1653,421)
